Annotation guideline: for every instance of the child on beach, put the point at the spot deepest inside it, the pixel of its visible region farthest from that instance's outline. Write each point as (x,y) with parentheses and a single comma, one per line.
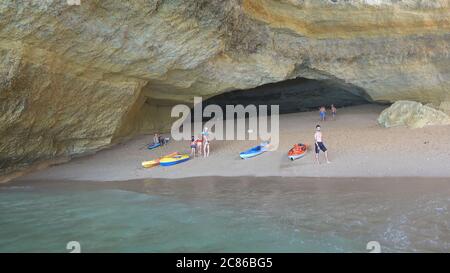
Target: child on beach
(193,146)
(322,112)
(205,142)
(333,111)
(319,145)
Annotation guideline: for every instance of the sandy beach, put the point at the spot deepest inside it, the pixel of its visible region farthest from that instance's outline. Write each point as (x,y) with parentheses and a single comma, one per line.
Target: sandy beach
(358,147)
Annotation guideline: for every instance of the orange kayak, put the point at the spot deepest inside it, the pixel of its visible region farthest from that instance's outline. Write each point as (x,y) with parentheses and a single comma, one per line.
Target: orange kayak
(298,151)
(155,162)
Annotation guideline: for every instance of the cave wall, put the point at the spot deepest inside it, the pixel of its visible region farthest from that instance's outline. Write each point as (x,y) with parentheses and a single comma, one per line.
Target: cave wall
(47,110)
(75,79)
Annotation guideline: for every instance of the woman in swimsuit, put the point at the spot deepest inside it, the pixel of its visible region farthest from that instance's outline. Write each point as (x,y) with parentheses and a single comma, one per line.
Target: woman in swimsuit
(205,143)
(199,143)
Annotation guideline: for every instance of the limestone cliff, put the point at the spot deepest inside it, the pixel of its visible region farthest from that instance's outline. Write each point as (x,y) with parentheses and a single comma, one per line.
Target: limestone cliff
(74,79)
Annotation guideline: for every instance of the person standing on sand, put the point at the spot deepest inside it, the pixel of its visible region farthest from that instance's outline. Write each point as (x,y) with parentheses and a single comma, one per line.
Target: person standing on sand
(205,135)
(333,111)
(323,113)
(193,146)
(319,145)
(199,142)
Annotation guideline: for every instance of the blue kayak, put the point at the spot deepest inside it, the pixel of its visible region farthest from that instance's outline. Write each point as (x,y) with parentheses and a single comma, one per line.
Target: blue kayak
(154,145)
(252,152)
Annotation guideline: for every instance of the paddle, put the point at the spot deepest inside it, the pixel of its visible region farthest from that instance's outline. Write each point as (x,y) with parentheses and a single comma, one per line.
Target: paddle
(146,145)
(143,146)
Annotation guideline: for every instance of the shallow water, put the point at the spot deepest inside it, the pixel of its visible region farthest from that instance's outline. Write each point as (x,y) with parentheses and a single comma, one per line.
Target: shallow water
(215,214)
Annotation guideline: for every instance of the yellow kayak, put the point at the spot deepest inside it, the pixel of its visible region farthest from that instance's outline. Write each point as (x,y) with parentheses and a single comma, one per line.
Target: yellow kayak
(150,163)
(169,161)
(155,162)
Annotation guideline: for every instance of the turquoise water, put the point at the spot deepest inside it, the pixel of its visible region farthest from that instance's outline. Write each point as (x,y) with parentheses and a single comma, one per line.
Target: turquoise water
(225,215)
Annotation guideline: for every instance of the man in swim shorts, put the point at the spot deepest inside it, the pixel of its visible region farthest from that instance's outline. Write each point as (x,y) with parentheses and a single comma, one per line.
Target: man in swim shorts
(333,111)
(322,112)
(319,146)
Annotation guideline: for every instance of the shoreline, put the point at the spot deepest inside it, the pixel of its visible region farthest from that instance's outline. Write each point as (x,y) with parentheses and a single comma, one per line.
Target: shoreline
(358,147)
(149,185)
(24,182)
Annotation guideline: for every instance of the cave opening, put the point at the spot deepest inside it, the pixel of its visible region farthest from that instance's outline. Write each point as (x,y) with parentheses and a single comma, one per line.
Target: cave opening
(295,95)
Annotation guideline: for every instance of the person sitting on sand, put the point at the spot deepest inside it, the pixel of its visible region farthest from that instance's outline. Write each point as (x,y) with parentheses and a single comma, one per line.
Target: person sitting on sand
(319,145)
(193,146)
(333,111)
(323,113)
(205,135)
(199,142)
(156,138)
(163,140)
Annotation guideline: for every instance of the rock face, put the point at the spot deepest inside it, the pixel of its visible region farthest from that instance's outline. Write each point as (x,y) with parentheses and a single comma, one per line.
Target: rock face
(413,115)
(74,79)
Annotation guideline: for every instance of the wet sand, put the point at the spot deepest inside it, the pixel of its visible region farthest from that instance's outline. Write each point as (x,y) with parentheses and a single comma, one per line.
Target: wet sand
(358,147)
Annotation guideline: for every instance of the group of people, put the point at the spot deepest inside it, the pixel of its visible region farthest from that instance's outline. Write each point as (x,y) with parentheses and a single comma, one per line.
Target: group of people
(323,112)
(200,144)
(157,138)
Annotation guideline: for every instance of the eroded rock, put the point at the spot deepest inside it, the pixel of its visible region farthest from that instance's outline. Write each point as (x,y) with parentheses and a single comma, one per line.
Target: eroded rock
(412,114)
(74,79)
